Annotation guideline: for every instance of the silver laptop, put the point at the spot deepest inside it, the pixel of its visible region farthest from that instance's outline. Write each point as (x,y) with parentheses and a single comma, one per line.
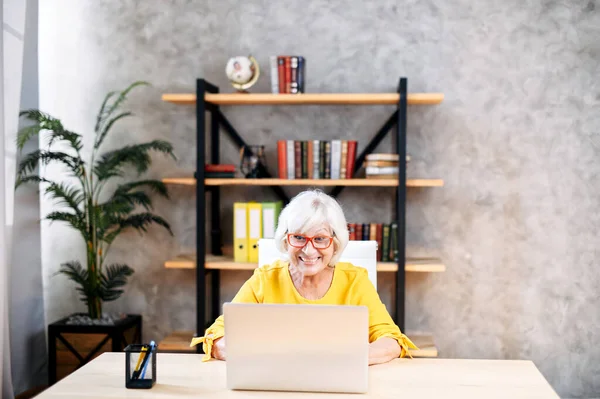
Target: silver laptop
(311,348)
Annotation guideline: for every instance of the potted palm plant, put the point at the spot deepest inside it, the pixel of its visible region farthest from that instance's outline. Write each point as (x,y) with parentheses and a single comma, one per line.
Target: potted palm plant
(99,216)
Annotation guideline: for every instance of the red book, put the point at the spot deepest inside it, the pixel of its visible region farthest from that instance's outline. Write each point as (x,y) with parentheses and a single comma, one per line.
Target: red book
(350,159)
(288,74)
(219,168)
(298,159)
(359,232)
(281,73)
(282,159)
(352,231)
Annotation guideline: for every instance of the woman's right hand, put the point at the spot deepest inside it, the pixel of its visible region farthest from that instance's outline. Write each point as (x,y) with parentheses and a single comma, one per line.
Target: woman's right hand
(218,349)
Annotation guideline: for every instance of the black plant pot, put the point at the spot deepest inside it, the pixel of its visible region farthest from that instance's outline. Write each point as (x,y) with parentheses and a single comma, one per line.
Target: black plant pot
(70,346)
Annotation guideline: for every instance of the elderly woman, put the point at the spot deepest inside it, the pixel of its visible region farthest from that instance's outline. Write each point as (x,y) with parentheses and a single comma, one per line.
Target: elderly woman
(312,232)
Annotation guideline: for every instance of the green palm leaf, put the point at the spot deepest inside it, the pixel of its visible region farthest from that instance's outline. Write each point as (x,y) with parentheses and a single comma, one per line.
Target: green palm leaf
(26,134)
(101,113)
(100,138)
(112,163)
(110,236)
(123,95)
(141,221)
(115,276)
(80,276)
(77,221)
(124,200)
(71,196)
(134,198)
(155,186)
(31,178)
(106,111)
(111,213)
(47,122)
(31,161)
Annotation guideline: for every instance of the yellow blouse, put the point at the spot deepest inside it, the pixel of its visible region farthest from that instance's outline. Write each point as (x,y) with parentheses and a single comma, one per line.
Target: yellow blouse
(350,286)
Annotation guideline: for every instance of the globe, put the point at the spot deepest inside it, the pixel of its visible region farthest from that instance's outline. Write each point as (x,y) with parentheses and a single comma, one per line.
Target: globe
(242,72)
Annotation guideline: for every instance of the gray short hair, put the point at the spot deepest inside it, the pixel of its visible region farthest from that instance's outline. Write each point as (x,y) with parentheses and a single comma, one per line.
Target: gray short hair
(310,209)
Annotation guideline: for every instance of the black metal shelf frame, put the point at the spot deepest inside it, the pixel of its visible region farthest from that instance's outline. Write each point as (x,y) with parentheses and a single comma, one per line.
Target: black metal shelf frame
(219,120)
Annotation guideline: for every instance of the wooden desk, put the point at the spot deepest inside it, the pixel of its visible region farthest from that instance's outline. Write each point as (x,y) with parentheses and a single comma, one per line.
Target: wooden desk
(185,376)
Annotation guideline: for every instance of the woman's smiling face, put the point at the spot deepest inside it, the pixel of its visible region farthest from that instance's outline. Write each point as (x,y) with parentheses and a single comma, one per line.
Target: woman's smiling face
(312,257)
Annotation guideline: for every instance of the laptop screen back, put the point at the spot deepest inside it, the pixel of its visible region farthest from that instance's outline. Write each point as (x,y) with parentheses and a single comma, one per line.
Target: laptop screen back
(314,348)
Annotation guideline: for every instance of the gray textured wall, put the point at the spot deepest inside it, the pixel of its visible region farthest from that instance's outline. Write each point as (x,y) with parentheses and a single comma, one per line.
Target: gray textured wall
(516,141)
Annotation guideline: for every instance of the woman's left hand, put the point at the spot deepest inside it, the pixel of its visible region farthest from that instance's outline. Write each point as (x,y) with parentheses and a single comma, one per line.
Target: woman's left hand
(218,349)
(383,350)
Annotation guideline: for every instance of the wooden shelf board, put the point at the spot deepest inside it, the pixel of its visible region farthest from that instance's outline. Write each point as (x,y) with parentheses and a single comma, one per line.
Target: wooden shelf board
(188,261)
(179,341)
(185,181)
(306,98)
(422,265)
(190,181)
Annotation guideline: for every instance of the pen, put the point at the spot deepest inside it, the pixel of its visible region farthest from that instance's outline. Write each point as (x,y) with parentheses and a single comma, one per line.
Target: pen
(150,353)
(140,363)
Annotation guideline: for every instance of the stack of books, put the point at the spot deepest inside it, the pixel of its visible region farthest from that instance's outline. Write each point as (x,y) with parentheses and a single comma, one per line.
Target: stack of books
(316,159)
(382,166)
(219,171)
(287,74)
(386,235)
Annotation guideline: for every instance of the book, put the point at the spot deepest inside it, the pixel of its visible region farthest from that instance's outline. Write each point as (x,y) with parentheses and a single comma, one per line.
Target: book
(301,74)
(282,159)
(274,74)
(294,75)
(281,74)
(288,74)
(218,175)
(298,159)
(377,170)
(291,156)
(379,238)
(219,168)
(385,246)
(351,159)
(394,241)
(344,159)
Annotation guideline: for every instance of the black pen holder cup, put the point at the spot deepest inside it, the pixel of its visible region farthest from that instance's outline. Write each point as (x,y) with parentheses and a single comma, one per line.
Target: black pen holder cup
(140,366)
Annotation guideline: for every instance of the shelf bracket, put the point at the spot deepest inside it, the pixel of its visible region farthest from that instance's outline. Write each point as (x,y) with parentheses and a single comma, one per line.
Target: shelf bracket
(234,135)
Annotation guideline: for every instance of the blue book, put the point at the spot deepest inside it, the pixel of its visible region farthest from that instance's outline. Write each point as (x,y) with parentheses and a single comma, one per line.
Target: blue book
(301,74)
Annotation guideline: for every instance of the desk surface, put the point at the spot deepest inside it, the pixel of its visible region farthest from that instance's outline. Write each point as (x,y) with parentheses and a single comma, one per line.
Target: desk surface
(186,376)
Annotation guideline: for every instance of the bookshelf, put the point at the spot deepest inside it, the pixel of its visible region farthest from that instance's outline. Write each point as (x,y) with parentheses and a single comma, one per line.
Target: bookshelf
(209,262)
(189,261)
(190,181)
(307,99)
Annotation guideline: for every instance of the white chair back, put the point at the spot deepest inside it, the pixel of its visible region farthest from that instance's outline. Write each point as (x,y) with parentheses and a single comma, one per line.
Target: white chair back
(359,253)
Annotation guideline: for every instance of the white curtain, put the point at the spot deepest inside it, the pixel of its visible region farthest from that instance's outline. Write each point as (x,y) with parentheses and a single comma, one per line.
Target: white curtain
(5,373)
(11,64)
(27,318)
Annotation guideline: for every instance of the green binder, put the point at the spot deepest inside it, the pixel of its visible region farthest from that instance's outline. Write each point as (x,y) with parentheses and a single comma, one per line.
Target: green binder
(270,217)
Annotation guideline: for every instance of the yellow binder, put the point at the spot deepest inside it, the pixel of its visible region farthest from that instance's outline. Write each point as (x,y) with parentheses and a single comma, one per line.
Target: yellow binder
(254,230)
(240,232)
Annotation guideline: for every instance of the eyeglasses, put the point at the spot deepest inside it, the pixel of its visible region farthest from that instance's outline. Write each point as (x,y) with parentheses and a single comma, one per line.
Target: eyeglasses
(318,242)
